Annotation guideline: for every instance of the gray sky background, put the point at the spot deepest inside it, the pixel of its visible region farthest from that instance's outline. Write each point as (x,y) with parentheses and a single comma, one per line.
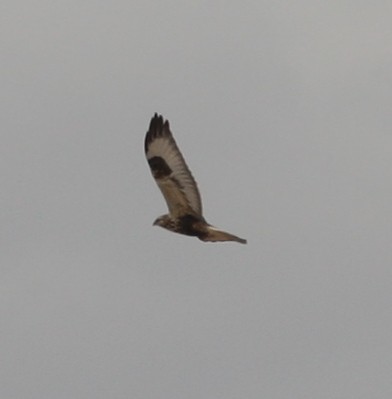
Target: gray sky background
(283,113)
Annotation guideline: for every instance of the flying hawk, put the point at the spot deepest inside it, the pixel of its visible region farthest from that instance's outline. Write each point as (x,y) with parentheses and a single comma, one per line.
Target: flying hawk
(178,186)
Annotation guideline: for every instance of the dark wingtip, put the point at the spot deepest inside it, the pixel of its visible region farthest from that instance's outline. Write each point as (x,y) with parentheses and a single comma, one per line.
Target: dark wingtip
(158,128)
(156,122)
(239,239)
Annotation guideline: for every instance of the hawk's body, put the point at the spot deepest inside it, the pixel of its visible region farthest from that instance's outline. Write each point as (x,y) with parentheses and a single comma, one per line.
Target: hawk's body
(178,186)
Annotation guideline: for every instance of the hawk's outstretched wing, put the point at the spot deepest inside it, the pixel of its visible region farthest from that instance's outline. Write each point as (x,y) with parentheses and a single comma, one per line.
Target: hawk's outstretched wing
(170,170)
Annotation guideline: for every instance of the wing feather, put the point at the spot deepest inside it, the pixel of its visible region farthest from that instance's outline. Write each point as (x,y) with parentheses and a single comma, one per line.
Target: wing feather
(213,234)
(170,171)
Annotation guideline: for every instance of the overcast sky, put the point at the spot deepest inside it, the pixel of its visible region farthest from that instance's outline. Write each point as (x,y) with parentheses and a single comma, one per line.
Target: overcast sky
(283,113)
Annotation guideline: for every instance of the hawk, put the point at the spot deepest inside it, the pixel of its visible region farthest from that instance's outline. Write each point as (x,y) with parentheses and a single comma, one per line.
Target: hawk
(178,186)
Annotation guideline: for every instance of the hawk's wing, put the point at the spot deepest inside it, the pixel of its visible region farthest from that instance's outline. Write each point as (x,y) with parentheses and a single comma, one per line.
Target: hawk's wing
(214,234)
(170,170)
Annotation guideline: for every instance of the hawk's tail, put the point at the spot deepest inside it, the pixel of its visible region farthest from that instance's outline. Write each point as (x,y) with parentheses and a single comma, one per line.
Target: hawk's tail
(214,234)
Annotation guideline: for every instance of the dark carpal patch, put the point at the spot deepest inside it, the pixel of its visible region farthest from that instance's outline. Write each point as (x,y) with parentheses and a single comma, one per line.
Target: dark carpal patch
(159,167)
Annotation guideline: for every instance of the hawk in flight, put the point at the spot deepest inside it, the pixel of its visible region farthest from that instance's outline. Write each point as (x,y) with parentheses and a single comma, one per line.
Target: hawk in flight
(178,186)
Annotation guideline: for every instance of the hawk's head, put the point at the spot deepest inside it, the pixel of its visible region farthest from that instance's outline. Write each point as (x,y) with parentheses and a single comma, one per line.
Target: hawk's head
(166,222)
